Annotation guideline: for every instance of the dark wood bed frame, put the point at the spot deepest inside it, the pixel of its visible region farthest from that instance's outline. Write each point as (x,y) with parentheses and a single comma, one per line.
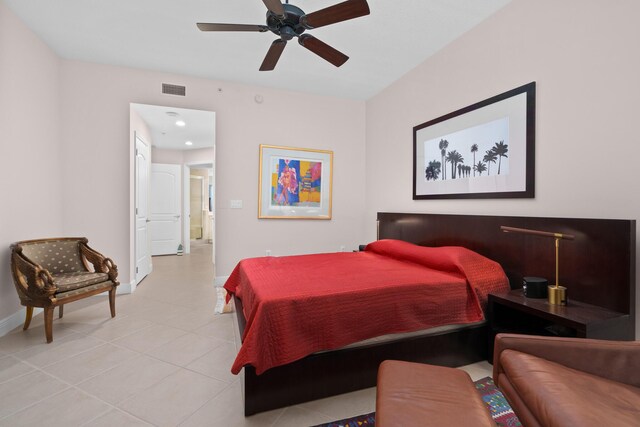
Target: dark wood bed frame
(598,268)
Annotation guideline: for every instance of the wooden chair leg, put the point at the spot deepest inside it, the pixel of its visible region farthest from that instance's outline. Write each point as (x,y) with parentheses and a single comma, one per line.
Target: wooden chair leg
(60,311)
(27,319)
(48,323)
(112,301)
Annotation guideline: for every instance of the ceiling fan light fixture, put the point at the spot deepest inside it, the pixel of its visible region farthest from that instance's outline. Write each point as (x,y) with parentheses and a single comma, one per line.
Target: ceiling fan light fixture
(288,21)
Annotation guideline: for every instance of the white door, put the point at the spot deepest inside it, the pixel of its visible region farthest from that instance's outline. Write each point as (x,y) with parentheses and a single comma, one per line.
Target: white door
(164,208)
(143,161)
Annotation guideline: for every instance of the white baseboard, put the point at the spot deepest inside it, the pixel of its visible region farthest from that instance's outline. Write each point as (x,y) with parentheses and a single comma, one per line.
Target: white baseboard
(220,280)
(16,319)
(126,288)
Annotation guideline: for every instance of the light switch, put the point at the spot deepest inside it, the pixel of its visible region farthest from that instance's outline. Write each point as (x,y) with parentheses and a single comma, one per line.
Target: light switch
(236,204)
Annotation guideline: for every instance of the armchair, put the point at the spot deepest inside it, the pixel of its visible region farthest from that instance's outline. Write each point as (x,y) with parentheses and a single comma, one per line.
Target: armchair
(50,273)
(552,381)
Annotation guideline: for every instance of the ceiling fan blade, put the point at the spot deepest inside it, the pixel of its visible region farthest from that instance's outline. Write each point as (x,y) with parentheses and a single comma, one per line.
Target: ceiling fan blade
(323,50)
(337,13)
(232,27)
(275,6)
(271,59)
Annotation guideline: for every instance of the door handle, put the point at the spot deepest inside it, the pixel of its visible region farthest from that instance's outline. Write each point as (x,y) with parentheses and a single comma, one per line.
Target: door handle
(147,220)
(176,216)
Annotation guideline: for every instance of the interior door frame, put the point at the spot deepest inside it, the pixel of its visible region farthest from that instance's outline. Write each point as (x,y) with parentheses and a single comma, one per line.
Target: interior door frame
(131,286)
(186,208)
(187,205)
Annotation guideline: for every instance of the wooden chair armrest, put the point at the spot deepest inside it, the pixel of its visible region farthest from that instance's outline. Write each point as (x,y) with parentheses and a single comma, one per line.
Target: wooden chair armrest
(33,280)
(616,360)
(100,263)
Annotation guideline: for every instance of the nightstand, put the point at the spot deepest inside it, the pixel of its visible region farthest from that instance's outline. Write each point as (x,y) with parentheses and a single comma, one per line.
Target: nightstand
(512,312)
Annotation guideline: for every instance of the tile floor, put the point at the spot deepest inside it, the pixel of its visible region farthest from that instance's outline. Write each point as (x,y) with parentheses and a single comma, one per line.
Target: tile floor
(164,361)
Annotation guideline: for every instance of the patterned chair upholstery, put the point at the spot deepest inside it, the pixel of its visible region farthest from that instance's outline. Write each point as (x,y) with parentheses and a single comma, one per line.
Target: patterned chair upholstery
(49,273)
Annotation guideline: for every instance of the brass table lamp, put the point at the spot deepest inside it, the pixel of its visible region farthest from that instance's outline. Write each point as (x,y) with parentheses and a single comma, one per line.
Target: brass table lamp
(557,294)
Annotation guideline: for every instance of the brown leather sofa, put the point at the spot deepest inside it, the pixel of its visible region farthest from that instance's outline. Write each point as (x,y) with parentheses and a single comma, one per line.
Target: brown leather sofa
(552,381)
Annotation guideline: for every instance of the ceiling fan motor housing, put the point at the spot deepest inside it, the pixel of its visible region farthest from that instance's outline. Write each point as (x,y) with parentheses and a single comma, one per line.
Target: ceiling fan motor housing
(289,26)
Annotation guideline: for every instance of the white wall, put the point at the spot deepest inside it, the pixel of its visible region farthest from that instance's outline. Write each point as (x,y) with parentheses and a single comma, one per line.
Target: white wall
(30,162)
(179,157)
(95,117)
(583,56)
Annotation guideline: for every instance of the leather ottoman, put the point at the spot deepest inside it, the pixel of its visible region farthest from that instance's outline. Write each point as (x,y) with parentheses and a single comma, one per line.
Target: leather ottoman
(414,394)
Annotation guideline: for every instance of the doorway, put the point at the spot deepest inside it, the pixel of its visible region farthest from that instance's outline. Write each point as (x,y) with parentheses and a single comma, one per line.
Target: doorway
(180,142)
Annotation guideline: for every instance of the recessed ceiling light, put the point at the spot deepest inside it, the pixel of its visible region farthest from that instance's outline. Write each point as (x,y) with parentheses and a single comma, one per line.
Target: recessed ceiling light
(181,123)
(188,143)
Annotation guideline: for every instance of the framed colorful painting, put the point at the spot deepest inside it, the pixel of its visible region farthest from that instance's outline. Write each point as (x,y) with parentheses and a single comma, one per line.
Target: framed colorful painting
(485,150)
(295,183)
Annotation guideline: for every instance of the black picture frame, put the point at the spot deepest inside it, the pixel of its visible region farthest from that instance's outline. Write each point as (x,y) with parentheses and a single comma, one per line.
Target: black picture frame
(510,117)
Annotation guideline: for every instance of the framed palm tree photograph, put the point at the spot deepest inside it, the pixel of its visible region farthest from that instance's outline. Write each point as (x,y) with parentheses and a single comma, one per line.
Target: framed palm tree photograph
(483,151)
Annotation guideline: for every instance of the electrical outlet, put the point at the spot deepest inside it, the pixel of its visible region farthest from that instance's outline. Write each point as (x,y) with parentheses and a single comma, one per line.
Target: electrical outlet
(268,252)
(342,248)
(236,204)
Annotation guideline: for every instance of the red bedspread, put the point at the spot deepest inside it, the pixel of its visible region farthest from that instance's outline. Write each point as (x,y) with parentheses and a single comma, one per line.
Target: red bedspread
(298,305)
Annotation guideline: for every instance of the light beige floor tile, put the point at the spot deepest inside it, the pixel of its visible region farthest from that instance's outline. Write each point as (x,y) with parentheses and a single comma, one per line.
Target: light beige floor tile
(216,363)
(45,354)
(185,349)
(26,390)
(478,370)
(191,320)
(117,418)
(173,399)
(221,328)
(18,340)
(294,416)
(160,312)
(226,409)
(127,379)
(140,304)
(92,362)
(10,368)
(81,315)
(69,408)
(119,327)
(204,298)
(149,338)
(130,304)
(344,405)
(38,320)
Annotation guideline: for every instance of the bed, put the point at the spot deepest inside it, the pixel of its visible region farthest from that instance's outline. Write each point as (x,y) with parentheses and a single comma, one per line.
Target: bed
(331,370)
(298,305)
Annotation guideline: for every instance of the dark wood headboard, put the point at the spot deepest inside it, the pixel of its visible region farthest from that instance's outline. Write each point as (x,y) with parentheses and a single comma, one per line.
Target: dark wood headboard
(598,267)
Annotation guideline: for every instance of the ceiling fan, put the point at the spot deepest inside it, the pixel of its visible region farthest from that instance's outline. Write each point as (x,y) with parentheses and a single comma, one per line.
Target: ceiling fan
(288,21)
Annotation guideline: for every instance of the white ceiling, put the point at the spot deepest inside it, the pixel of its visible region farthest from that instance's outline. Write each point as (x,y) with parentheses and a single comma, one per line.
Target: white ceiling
(161,35)
(199,126)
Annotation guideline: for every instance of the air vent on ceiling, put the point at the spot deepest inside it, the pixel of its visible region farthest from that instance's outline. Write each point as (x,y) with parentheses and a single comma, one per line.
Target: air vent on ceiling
(174,89)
